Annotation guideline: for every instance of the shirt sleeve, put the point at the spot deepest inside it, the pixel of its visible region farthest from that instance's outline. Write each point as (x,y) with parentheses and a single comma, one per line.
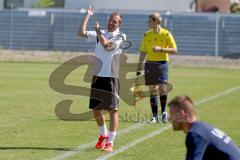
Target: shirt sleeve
(196,146)
(170,41)
(91,36)
(143,44)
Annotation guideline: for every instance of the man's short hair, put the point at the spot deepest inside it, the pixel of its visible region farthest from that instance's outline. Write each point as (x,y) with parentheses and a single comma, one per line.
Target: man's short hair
(183,103)
(118,15)
(156,17)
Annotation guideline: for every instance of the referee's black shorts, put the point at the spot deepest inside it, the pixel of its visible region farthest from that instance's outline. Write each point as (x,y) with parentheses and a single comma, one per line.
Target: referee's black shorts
(156,72)
(104,93)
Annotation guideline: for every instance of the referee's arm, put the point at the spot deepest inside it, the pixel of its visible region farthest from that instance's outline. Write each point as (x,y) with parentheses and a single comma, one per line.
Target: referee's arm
(170,50)
(140,61)
(171,46)
(142,56)
(167,50)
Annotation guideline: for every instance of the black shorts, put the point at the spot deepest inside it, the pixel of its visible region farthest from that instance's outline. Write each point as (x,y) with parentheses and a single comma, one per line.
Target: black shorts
(104,93)
(156,72)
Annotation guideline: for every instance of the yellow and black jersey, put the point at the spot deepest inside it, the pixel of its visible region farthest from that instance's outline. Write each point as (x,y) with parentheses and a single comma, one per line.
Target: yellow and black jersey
(163,39)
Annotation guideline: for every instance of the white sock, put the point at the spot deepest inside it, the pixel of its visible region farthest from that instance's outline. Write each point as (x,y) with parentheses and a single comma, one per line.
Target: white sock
(111,136)
(103,130)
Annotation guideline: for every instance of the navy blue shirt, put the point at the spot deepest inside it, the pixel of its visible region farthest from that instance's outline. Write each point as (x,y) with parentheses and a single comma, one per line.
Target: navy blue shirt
(204,142)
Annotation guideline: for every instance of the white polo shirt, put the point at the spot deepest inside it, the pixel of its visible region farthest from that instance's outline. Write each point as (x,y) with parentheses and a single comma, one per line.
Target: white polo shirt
(108,63)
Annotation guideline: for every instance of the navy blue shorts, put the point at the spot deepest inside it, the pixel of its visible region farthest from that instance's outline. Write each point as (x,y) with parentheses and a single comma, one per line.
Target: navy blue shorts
(156,72)
(104,93)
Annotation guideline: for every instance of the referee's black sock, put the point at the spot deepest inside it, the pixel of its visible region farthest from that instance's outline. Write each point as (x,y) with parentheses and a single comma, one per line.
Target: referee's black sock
(154,105)
(163,101)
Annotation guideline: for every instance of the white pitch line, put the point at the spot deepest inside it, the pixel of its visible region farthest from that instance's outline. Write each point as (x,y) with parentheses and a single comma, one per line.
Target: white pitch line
(133,143)
(159,131)
(218,95)
(91,144)
(133,127)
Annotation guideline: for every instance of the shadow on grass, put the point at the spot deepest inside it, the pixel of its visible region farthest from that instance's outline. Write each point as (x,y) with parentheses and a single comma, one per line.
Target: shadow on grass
(45,148)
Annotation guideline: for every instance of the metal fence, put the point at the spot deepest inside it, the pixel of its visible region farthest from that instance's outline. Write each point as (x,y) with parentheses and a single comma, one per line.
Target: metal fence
(195,34)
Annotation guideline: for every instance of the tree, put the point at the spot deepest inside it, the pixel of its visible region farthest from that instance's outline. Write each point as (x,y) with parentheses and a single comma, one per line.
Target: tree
(49,4)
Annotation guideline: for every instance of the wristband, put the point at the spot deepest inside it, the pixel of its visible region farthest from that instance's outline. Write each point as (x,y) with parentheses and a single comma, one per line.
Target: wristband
(98,30)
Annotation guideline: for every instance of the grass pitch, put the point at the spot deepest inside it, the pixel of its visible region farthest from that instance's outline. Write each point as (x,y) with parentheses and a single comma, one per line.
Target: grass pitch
(30,130)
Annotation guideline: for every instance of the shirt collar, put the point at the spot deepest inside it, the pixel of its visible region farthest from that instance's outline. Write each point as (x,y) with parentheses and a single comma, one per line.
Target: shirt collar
(114,32)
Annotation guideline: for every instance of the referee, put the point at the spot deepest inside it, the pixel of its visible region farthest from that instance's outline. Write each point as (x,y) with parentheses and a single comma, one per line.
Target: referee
(156,44)
(105,83)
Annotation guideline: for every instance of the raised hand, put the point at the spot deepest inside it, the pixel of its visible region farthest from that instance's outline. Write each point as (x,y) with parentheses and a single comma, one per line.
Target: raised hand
(97,26)
(90,11)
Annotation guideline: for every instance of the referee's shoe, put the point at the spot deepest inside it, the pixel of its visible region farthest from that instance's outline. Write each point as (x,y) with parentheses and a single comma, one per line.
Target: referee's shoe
(154,120)
(164,117)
